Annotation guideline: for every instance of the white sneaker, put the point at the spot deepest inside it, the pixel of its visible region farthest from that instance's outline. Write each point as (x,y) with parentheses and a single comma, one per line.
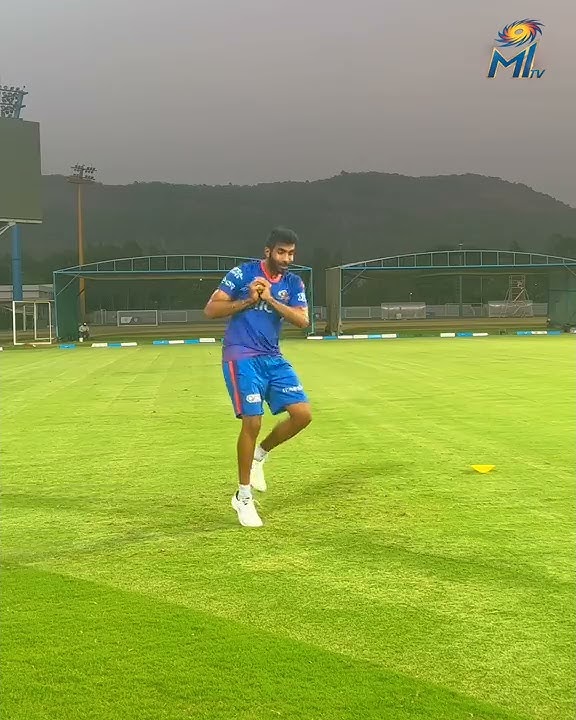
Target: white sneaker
(246,510)
(257,475)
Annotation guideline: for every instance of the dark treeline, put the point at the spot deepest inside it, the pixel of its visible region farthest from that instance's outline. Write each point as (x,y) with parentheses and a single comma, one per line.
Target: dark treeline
(342,219)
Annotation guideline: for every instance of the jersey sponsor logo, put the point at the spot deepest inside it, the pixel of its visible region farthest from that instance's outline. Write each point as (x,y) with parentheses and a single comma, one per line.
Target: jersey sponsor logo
(294,388)
(237,272)
(228,283)
(254,398)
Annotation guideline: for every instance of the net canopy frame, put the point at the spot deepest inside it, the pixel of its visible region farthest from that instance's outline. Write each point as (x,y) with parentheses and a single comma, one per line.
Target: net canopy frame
(561,272)
(148,267)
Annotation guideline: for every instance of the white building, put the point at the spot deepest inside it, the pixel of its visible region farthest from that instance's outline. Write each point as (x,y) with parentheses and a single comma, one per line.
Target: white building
(29,292)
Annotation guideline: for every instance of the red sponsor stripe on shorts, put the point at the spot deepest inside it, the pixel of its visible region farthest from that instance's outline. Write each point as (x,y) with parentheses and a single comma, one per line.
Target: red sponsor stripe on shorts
(236,402)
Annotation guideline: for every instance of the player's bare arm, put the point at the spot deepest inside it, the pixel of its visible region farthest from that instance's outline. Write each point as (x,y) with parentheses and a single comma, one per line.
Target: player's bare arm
(221,305)
(294,315)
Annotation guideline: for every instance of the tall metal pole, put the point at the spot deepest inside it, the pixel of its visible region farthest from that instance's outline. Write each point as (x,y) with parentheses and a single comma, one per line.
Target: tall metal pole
(81,175)
(81,251)
(312,319)
(460,285)
(17,290)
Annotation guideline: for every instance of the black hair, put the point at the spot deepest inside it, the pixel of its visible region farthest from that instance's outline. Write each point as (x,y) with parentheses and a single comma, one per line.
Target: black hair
(281,235)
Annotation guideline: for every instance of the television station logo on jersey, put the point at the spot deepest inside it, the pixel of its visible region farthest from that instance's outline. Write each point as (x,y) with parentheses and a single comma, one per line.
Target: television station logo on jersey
(522,33)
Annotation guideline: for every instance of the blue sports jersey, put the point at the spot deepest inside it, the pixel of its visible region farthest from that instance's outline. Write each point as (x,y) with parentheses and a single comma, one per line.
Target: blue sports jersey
(256,331)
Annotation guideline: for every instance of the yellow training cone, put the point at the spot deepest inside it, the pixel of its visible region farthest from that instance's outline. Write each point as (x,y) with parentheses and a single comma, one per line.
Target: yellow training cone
(483,468)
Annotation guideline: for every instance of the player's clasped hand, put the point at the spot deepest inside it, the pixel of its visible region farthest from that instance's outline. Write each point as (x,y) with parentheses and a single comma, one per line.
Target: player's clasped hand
(259,289)
(255,288)
(266,289)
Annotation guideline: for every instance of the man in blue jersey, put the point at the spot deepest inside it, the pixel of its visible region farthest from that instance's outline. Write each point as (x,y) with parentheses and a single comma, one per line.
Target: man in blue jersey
(257,297)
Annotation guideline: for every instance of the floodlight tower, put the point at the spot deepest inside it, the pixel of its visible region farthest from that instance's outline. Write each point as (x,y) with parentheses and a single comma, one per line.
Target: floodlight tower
(81,175)
(11,105)
(12,101)
(460,313)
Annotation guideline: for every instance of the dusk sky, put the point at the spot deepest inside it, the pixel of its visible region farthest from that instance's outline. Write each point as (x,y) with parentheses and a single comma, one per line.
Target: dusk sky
(249,91)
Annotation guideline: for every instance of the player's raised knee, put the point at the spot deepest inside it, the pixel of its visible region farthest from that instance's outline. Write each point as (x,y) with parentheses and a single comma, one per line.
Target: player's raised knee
(301,413)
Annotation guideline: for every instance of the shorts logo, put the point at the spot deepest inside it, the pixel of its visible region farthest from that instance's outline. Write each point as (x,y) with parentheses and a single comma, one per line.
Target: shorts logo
(254,398)
(294,388)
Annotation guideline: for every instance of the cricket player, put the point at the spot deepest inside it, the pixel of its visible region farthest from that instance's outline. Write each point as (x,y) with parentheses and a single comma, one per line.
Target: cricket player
(258,296)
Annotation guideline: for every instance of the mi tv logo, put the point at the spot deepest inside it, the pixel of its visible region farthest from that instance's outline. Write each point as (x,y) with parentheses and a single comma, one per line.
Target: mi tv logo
(521,32)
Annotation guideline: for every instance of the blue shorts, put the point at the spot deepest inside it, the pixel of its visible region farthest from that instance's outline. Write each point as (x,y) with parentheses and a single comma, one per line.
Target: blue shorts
(254,380)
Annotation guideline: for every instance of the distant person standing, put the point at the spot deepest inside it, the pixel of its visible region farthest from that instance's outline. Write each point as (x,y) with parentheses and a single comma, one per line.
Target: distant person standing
(84,332)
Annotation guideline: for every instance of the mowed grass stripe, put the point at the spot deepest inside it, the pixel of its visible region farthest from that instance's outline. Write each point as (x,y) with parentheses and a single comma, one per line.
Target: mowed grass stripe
(80,650)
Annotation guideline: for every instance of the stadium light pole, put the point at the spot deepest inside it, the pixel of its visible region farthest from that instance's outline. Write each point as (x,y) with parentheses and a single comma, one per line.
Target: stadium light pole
(460,281)
(81,175)
(11,105)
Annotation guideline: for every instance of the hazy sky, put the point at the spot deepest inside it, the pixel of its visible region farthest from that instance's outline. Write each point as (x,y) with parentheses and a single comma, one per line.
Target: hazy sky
(247,91)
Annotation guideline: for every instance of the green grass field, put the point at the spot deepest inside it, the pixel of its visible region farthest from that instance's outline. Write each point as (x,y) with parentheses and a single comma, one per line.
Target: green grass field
(390,581)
